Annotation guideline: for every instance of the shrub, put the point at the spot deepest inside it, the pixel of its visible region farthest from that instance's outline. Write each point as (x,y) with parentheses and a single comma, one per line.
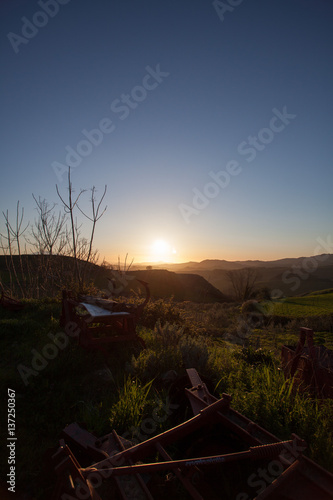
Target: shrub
(152,364)
(169,349)
(162,354)
(256,357)
(167,336)
(161,310)
(250,306)
(194,353)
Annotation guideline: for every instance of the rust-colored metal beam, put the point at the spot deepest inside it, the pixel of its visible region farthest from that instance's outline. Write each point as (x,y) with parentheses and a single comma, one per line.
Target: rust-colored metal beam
(142,450)
(254,453)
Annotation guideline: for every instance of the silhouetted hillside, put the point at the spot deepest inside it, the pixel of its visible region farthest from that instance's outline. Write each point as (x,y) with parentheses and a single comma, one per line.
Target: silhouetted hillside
(194,281)
(323,260)
(289,281)
(191,287)
(162,283)
(293,276)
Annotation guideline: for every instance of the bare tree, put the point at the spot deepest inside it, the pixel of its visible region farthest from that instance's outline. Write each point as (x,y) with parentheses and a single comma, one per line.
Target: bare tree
(5,252)
(94,218)
(50,237)
(13,237)
(48,230)
(69,209)
(82,248)
(95,215)
(243,282)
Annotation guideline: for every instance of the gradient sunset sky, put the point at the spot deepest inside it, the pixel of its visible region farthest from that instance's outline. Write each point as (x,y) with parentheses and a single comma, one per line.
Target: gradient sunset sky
(215,123)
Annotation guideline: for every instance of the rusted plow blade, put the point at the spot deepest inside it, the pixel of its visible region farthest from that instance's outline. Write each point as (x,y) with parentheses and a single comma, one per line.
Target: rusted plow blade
(310,366)
(10,303)
(99,322)
(218,453)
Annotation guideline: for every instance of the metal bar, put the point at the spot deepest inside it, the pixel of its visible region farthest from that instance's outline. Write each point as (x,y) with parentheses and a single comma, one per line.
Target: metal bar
(280,480)
(194,377)
(234,421)
(254,453)
(186,482)
(71,479)
(146,448)
(138,477)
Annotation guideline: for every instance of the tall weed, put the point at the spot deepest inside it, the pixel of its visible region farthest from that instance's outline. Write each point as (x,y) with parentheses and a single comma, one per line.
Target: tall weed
(129,410)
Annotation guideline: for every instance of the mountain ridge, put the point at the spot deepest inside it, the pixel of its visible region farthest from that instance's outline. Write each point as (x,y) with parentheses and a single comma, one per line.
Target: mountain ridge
(215,264)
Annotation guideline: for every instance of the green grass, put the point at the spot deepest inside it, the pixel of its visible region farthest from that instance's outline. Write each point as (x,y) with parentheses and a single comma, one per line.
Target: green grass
(314,304)
(133,400)
(124,390)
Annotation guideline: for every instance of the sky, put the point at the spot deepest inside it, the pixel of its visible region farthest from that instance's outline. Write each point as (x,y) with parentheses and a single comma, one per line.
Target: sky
(209,122)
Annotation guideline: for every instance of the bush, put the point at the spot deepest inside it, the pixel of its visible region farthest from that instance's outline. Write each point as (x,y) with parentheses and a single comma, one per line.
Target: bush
(194,353)
(162,354)
(161,310)
(169,349)
(250,306)
(152,364)
(167,336)
(256,357)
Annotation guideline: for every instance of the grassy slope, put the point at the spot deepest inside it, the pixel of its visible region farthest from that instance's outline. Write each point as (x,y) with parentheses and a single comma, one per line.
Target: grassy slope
(313,304)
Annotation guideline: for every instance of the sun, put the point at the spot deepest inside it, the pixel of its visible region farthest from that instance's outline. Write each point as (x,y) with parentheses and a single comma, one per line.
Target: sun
(161,250)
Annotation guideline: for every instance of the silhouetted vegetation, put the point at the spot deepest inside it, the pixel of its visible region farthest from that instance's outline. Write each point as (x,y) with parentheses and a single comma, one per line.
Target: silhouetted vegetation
(35,272)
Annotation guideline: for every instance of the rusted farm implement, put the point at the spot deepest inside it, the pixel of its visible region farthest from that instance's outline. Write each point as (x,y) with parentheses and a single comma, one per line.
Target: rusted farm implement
(10,303)
(311,366)
(223,455)
(98,322)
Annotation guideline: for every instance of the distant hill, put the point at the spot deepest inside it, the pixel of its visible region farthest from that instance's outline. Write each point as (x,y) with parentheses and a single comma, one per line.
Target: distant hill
(192,287)
(277,278)
(213,264)
(162,283)
(293,276)
(205,281)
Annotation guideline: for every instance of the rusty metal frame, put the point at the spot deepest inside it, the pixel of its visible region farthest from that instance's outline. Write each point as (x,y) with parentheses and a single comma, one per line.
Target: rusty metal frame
(304,364)
(116,456)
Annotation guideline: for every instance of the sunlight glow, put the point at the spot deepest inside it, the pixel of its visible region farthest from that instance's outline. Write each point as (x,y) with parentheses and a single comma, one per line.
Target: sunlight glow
(161,250)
